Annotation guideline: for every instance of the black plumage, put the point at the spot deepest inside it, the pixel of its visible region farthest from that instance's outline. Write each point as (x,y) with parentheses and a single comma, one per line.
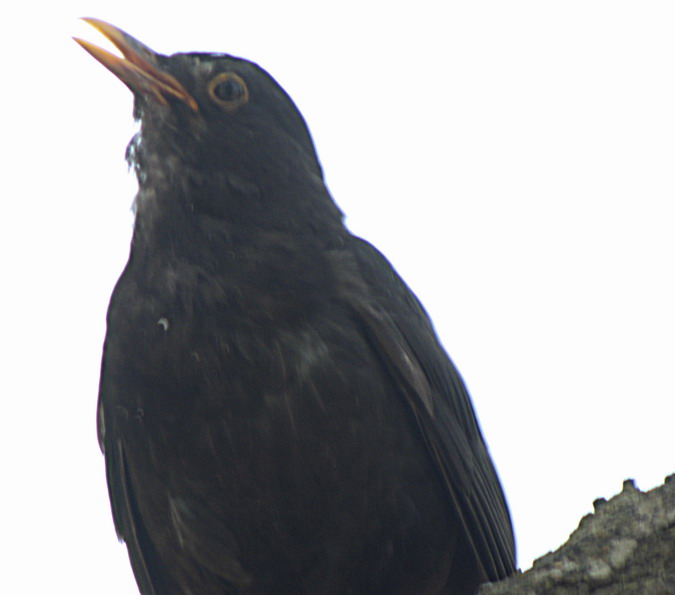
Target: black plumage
(276,411)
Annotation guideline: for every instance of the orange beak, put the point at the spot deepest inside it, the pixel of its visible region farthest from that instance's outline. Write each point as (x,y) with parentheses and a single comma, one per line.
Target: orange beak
(137,68)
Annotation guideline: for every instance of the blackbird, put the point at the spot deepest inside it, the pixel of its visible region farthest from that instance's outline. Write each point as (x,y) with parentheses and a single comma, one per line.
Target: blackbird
(276,411)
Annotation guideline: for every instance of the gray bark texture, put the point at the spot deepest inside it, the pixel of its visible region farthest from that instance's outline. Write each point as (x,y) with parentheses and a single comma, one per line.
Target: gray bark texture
(626,546)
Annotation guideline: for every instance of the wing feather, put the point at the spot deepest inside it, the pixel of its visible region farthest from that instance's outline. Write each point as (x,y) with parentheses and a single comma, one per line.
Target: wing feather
(401,332)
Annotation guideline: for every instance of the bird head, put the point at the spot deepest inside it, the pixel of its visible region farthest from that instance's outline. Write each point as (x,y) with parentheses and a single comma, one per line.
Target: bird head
(213,127)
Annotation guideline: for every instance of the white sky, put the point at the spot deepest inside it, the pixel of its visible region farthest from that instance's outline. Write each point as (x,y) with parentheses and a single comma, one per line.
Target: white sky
(514,160)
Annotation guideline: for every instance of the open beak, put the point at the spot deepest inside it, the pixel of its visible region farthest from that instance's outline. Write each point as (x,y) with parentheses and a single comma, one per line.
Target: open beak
(138,67)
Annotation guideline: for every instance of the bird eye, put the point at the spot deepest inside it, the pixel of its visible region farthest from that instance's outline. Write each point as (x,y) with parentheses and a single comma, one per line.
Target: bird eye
(228,90)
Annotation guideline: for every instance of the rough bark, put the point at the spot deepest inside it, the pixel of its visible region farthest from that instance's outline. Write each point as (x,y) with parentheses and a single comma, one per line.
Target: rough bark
(626,546)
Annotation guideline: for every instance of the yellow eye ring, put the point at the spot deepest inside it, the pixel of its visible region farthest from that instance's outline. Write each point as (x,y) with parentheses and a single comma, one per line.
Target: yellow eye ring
(228,90)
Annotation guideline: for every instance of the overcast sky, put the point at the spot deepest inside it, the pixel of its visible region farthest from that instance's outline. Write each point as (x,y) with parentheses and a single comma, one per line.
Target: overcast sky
(514,160)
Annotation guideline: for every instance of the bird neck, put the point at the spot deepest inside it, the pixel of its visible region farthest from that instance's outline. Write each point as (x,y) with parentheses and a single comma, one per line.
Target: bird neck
(184,212)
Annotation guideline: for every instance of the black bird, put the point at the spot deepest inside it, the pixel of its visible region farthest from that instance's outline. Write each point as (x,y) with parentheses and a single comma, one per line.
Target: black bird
(276,411)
